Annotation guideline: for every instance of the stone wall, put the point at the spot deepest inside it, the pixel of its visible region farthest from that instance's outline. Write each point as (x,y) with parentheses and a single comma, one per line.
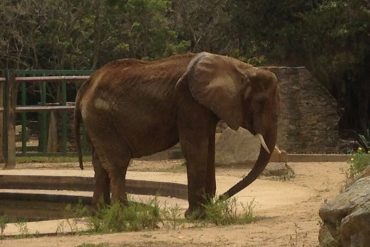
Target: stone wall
(309,119)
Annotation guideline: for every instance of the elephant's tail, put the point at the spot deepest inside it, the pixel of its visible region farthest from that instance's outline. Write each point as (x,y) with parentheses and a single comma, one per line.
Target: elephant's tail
(77,121)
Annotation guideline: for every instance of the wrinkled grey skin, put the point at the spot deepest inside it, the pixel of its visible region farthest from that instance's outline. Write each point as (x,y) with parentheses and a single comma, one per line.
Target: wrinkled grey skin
(133,108)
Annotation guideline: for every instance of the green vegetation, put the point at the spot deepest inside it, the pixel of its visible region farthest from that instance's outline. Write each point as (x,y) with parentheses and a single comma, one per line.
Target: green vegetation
(358,162)
(3,223)
(139,216)
(364,140)
(224,212)
(330,37)
(22,229)
(134,217)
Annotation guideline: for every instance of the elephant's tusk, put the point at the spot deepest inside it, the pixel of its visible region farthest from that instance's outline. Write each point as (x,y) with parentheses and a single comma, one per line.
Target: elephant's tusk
(263,143)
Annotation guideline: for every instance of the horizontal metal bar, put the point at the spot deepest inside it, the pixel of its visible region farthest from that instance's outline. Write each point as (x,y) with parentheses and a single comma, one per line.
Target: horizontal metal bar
(51,78)
(41,108)
(51,72)
(2,78)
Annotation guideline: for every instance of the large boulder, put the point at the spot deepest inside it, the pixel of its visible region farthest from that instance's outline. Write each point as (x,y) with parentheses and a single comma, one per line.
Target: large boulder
(346,219)
(236,147)
(241,147)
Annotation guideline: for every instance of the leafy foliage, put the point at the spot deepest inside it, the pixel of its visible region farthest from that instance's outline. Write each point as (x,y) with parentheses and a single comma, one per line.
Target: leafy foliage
(330,37)
(358,162)
(365,140)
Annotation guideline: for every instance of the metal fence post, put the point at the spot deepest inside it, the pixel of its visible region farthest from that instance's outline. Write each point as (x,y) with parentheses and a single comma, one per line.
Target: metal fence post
(2,131)
(10,102)
(64,118)
(43,120)
(24,117)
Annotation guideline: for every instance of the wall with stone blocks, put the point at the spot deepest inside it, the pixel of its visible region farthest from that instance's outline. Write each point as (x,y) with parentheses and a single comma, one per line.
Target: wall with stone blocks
(309,119)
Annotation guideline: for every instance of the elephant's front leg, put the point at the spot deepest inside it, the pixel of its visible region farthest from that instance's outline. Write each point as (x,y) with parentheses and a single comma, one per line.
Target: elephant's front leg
(211,171)
(195,143)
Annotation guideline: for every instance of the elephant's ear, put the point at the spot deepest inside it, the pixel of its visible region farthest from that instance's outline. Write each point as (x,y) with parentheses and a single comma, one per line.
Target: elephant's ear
(215,82)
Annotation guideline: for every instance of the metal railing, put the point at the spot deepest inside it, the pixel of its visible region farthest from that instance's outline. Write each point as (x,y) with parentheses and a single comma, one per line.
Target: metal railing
(15,88)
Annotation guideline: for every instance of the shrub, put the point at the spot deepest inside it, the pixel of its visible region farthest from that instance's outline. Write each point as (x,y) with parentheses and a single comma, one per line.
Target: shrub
(358,162)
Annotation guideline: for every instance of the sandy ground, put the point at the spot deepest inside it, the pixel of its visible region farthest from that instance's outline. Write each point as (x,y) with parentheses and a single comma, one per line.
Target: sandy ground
(288,212)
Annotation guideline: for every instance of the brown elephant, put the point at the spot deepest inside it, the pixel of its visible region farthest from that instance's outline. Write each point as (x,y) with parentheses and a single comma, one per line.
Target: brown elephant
(132,108)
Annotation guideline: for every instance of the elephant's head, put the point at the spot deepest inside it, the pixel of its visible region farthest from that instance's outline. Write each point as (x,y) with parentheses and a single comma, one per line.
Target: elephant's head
(242,96)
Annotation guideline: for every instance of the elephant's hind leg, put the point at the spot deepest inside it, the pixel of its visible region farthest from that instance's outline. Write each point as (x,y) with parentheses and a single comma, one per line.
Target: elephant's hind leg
(102,182)
(116,158)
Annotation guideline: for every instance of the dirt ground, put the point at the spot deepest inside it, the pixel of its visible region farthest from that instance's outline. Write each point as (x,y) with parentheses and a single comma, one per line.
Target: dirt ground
(288,212)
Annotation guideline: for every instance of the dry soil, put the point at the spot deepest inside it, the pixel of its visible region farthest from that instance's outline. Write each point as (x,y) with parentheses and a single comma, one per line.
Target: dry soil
(288,211)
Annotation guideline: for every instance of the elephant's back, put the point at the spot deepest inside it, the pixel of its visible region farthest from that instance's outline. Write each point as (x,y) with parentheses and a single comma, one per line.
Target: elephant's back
(139,100)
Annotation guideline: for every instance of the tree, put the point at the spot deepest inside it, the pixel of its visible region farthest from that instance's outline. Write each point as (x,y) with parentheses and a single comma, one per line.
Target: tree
(330,37)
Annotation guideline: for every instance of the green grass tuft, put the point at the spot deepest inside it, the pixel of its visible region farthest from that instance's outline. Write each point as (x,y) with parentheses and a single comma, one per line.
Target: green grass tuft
(3,222)
(225,212)
(358,162)
(134,217)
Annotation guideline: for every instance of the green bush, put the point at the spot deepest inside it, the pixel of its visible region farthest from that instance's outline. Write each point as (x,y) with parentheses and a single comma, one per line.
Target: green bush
(358,162)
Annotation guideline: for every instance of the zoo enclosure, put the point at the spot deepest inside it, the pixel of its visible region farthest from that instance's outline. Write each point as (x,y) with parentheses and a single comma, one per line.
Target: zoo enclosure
(15,108)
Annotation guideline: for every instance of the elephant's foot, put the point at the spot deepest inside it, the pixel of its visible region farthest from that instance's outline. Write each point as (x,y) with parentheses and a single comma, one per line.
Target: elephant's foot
(122,199)
(197,213)
(98,200)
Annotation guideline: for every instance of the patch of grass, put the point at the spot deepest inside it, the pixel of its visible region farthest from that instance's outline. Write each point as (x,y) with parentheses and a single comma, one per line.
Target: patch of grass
(139,216)
(3,222)
(358,162)
(77,210)
(225,212)
(22,229)
(172,217)
(134,217)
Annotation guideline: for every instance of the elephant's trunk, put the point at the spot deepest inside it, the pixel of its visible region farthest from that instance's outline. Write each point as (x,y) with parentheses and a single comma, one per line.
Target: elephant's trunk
(261,163)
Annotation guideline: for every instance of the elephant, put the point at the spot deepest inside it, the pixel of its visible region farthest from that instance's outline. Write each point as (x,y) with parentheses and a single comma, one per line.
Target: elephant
(131,108)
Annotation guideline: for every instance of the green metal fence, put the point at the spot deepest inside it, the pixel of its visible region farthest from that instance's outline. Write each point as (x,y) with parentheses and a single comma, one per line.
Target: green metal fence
(52,93)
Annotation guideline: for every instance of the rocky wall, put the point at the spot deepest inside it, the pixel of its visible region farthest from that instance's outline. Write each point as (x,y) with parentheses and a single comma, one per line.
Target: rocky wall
(309,119)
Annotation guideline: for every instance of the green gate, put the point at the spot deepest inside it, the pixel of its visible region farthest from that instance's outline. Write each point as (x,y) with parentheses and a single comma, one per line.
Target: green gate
(44,97)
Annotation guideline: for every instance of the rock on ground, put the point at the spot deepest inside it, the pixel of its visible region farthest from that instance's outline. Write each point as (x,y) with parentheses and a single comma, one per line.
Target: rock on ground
(346,219)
